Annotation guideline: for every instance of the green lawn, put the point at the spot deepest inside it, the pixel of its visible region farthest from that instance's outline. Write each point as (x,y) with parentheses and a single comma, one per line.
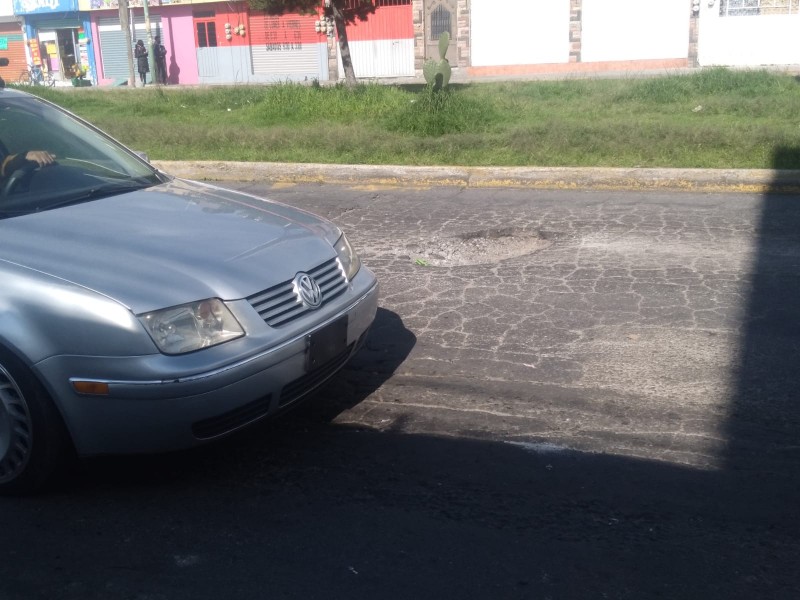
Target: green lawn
(714,118)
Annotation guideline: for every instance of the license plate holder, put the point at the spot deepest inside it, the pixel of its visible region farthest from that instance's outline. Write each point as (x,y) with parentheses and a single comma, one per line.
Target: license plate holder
(326,343)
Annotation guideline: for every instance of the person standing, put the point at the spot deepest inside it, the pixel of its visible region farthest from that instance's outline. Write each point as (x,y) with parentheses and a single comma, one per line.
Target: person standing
(140,53)
(160,53)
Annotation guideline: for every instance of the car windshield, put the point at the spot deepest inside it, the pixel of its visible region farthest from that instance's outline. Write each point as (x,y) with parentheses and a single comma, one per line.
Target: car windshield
(82,163)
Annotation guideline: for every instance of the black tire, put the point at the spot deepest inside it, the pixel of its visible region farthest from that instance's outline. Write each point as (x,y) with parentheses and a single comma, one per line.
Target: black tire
(33,439)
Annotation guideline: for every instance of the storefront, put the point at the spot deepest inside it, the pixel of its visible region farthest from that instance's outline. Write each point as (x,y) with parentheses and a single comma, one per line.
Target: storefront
(12,47)
(210,42)
(59,37)
(287,48)
(172,22)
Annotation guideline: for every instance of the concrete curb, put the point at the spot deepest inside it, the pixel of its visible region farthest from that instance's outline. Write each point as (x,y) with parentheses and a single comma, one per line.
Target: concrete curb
(711,180)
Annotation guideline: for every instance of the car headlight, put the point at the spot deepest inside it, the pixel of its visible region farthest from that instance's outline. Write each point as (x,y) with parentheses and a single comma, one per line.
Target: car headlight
(347,257)
(192,326)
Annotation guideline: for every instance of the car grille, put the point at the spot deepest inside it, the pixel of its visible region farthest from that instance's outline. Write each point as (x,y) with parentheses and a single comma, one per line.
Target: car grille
(252,411)
(209,428)
(302,385)
(294,390)
(280,304)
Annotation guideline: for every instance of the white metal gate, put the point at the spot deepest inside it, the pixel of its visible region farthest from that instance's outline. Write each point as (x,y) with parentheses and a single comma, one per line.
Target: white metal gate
(749,33)
(383,45)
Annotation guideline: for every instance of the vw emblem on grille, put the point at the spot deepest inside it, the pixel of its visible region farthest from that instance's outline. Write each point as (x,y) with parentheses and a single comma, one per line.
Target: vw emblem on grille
(307,290)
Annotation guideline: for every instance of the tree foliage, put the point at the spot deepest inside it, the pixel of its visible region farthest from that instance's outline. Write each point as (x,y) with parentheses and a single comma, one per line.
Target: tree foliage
(351,10)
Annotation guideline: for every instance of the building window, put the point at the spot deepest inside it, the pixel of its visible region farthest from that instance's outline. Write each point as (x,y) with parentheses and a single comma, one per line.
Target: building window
(206,34)
(440,22)
(743,8)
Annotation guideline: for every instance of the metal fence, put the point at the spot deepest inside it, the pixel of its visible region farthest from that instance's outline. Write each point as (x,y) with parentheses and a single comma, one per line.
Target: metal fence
(742,8)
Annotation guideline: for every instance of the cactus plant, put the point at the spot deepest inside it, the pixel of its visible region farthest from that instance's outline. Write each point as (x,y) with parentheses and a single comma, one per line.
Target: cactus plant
(437,72)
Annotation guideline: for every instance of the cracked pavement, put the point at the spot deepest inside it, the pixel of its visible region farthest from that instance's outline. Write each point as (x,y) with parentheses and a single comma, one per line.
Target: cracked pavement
(619,330)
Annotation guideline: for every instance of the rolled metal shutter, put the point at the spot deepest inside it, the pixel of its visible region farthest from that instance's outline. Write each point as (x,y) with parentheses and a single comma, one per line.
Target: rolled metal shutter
(303,61)
(285,46)
(113,50)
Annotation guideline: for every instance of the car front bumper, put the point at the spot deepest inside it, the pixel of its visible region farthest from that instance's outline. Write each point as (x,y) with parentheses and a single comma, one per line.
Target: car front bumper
(171,413)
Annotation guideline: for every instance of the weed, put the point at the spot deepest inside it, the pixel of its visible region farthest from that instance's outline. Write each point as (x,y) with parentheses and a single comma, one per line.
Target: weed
(435,112)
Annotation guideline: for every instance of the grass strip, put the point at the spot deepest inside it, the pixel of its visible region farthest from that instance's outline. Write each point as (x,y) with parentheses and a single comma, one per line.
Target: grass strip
(713,118)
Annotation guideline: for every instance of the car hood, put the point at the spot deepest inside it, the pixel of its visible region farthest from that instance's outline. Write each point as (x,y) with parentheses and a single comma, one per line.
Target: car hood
(170,244)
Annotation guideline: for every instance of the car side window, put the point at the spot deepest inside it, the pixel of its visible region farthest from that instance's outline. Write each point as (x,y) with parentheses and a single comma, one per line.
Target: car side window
(22,131)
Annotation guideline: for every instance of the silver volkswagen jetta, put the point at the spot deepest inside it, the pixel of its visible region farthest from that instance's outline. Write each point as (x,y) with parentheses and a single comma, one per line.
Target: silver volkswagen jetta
(143,313)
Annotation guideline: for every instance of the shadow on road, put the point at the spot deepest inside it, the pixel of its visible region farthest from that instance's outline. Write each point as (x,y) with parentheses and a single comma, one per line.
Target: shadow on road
(303,507)
(763,426)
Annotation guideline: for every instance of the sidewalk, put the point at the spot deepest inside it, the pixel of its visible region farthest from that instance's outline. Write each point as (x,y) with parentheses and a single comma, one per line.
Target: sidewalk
(694,180)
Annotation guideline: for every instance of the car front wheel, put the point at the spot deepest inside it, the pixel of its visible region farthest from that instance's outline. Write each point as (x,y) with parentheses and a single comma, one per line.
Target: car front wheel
(33,441)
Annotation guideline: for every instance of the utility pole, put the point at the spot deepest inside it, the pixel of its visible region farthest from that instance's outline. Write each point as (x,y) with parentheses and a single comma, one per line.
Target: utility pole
(125,24)
(150,57)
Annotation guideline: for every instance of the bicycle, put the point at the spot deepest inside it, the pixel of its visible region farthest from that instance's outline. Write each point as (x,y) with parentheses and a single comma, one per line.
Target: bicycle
(35,75)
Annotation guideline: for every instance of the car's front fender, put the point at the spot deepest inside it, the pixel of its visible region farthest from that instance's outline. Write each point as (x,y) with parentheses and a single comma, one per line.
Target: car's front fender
(42,316)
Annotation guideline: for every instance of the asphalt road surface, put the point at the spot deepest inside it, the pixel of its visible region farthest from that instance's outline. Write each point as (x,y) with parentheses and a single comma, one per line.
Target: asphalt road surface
(566,395)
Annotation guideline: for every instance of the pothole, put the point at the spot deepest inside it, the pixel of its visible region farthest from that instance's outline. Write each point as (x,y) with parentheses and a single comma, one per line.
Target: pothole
(477,247)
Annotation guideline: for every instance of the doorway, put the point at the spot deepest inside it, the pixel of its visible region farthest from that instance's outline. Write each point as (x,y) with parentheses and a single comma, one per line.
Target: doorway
(66,50)
(440,16)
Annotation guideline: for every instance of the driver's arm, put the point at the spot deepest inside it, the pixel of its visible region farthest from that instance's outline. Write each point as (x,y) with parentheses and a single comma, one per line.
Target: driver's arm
(12,162)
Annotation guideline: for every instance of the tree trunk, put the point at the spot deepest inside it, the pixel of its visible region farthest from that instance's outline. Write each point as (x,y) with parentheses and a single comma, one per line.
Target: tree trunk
(124,23)
(344,46)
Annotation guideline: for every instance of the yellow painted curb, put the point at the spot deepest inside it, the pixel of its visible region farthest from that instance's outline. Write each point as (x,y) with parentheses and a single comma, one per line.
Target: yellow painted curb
(703,180)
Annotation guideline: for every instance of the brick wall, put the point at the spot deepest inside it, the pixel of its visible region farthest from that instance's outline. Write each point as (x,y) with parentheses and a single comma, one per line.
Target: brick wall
(418,11)
(462,29)
(575,25)
(333,59)
(694,31)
